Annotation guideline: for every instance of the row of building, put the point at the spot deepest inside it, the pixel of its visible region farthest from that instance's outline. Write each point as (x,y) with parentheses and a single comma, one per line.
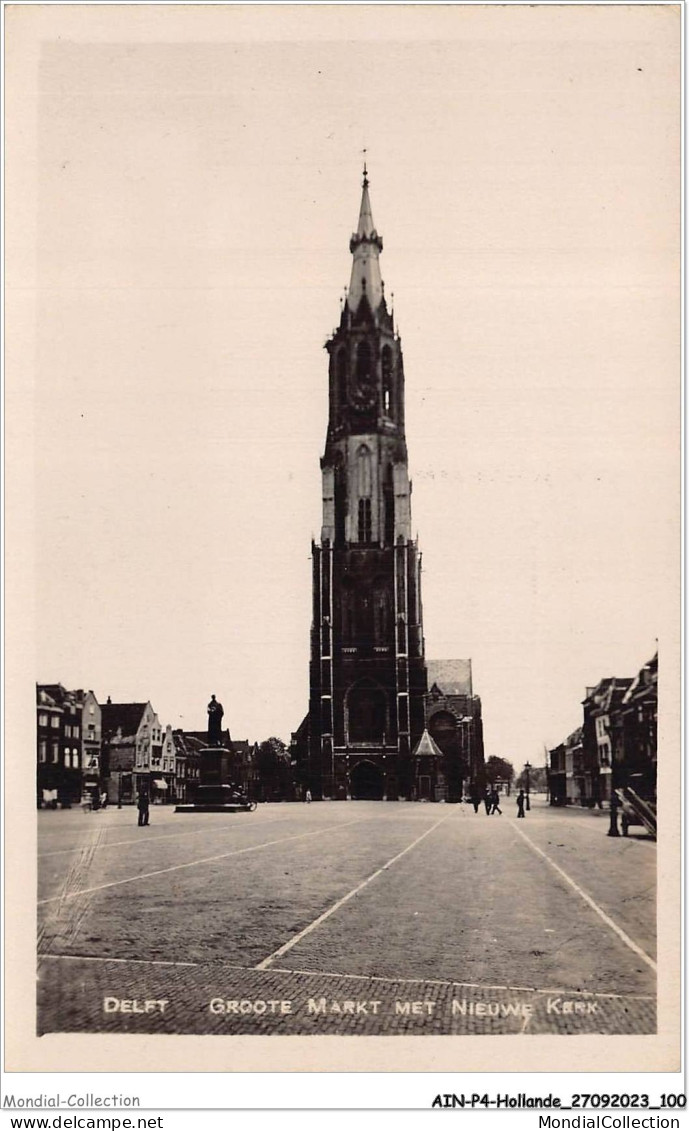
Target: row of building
(616,745)
(87,749)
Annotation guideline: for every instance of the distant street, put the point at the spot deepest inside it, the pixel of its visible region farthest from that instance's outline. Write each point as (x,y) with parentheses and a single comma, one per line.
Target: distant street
(356,917)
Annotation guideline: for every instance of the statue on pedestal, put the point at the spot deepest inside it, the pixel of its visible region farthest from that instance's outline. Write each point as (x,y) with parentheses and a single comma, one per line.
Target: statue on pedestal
(215,715)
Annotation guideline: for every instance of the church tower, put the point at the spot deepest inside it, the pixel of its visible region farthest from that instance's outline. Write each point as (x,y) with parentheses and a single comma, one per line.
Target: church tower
(367,674)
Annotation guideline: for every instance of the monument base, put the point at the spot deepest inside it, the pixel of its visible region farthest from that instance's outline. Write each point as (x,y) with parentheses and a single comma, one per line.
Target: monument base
(216,798)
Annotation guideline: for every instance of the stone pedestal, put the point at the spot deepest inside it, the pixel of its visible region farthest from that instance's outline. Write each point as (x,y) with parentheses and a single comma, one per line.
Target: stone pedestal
(214,793)
(214,766)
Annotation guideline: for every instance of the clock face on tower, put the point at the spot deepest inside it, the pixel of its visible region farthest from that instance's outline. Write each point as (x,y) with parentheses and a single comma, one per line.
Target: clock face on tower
(364,384)
(363,394)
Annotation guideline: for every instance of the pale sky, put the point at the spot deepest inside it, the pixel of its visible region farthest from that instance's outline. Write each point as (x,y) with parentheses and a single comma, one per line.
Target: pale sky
(192,178)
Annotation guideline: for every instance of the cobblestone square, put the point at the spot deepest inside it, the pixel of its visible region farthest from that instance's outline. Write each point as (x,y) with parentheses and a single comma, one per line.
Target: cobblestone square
(352,918)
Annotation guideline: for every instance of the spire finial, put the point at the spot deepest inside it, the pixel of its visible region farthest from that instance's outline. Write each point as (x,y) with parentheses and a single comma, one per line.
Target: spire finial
(365,184)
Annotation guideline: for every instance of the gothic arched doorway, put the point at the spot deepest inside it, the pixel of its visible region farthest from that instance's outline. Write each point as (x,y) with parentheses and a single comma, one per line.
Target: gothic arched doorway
(366,782)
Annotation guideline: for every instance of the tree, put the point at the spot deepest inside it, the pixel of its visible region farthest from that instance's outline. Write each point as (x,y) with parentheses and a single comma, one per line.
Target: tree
(499,769)
(274,770)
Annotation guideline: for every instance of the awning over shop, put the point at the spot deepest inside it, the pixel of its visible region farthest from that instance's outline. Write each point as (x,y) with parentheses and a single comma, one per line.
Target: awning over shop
(160,783)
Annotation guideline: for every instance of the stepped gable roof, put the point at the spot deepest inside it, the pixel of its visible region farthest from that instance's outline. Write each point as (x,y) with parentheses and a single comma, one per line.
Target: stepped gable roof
(451,677)
(426,747)
(123,717)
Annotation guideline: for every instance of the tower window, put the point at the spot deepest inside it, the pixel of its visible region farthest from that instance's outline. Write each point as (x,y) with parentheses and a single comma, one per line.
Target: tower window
(364,520)
(386,366)
(364,472)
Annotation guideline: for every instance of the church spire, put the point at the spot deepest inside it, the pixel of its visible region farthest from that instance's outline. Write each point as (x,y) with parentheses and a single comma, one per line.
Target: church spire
(365,246)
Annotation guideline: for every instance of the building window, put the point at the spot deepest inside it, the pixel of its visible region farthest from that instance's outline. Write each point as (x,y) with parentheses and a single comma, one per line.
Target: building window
(54,721)
(364,520)
(56,752)
(75,732)
(43,751)
(42,720)
(92,710)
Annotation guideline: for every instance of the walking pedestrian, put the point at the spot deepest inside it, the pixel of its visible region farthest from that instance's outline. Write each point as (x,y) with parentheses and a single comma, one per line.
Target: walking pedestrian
(495,802)
(307,797)
(142,805)
(520,803)
(487,801)
(475,798)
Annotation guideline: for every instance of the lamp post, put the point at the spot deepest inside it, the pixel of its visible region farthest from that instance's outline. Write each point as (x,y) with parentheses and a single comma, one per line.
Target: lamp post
(527,771)
(548,793)
(614,804)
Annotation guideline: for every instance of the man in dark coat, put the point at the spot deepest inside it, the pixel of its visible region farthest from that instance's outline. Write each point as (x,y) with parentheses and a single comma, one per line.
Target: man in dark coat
(142,805)
(520,803)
